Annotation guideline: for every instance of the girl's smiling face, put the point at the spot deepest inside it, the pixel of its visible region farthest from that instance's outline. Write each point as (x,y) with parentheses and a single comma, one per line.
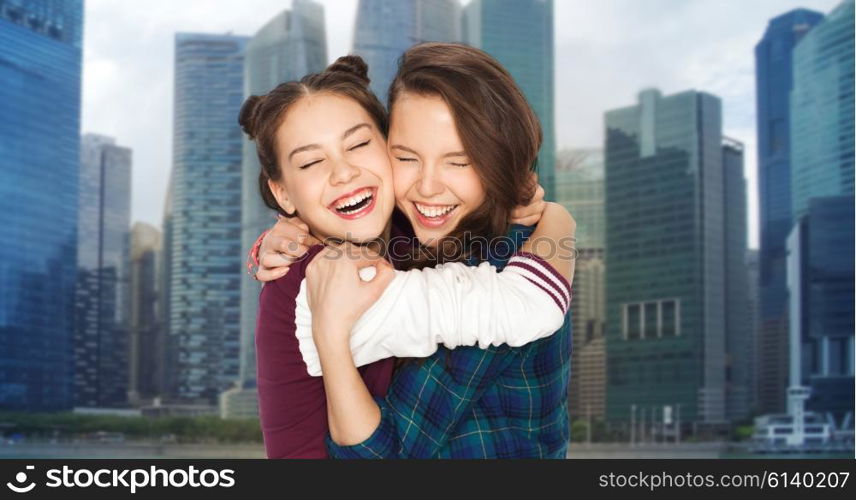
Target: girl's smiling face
(436,183)
(335,169)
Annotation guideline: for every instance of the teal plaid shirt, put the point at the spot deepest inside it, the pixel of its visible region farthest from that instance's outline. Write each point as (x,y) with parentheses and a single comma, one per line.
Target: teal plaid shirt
(500,402)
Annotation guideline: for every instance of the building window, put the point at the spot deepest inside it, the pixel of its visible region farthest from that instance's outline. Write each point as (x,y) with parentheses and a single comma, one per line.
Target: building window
(633,322)
(669,327)
(652,319)
(838,357)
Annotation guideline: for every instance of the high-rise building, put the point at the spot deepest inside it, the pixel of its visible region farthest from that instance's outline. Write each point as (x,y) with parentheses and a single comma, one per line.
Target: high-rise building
(384,29)
(822,111)
(820,267)
(102,308)
(519,34)
(40,50)
(665,246)
(170,356)
(289,46)
(752,320)
(205,219)
(820,278)
(587,388)
(580,189)
(147,347)
(739,335)
(774,81)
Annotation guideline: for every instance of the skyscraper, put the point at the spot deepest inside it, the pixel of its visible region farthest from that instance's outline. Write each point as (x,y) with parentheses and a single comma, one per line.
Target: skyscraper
(289,46)
(587,388)
(752,315)
(40,67)
(820,279)
(519,34)
(170,357)
(384,29)
(774,80)
(147,347)
(739,335)
(580,188)
(822,111)
(101,330)
(666,279)
(205,220)
(821,246)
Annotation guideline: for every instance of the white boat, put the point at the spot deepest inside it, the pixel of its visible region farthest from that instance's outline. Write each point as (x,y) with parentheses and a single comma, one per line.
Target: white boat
(783,433)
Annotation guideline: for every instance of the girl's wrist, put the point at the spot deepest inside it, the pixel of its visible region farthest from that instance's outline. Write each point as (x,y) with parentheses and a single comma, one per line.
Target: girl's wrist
(331,338)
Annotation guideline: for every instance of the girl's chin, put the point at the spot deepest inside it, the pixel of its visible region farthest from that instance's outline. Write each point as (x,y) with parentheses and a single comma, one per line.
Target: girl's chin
(430,238)
(363,233)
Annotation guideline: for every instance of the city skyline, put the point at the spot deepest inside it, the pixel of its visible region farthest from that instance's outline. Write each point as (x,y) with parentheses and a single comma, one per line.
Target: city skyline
(117,65)
(674,310)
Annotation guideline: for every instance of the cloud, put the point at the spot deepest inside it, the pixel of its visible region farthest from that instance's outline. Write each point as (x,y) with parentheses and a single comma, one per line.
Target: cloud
(605,53)
(128,73)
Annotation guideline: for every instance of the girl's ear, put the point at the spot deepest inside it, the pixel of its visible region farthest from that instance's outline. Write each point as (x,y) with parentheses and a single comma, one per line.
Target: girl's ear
(281,196)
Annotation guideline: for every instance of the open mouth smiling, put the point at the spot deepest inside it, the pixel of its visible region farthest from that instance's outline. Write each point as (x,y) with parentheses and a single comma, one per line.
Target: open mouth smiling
(355,204)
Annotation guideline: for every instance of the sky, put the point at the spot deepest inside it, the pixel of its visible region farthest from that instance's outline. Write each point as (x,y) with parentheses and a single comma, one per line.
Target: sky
(605,53)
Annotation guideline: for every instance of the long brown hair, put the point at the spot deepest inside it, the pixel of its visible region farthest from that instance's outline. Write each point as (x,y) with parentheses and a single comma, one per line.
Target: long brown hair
(261,116)
(499,131)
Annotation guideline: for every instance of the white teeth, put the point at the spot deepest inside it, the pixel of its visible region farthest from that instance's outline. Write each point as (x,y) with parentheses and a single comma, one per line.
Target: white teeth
(434,211)
(353,200)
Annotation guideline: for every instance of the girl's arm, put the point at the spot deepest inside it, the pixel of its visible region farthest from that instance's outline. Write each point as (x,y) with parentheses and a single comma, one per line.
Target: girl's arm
(435,397)
(458,305)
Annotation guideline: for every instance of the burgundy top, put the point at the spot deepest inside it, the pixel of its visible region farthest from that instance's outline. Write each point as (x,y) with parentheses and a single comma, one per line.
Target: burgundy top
(292,404)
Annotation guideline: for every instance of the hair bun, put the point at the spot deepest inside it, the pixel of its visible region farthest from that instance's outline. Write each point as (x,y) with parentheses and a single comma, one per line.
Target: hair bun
(351,64)
(248,116)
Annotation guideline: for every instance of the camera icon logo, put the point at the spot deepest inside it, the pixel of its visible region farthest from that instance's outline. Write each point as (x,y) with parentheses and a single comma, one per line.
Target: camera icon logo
(21,478)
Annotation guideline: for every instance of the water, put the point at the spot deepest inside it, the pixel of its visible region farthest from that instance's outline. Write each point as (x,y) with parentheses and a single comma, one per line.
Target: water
(156,450)
(131,450)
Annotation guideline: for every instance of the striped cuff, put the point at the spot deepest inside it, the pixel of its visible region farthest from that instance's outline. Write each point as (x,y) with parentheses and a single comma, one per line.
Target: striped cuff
(253,255)
(541,274)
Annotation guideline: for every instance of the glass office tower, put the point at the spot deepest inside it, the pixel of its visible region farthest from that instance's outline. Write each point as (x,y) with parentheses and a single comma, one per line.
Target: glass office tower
(580,188)
(288,47)
(205,217)
(739,333)
(102,308)
(821,245)
(147,347)
(40,71)
(774,81)
(820,275)
(519,33)
(665,249)
(822,111)
(384,29)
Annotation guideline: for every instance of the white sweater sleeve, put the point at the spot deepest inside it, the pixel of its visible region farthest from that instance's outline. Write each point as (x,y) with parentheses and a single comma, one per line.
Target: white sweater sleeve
(452,304)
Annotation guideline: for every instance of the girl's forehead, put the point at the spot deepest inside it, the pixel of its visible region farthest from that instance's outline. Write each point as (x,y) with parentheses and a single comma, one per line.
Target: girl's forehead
(319,118)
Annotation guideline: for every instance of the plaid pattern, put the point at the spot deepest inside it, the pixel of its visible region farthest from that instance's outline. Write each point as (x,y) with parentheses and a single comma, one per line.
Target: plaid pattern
(500,402)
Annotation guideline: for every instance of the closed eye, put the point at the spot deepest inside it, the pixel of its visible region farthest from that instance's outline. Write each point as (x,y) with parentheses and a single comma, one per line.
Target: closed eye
(399,158)
(362,144)
(302,167)
(460,164)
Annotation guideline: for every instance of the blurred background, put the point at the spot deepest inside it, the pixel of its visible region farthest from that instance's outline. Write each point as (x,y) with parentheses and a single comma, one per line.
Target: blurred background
(706,150)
